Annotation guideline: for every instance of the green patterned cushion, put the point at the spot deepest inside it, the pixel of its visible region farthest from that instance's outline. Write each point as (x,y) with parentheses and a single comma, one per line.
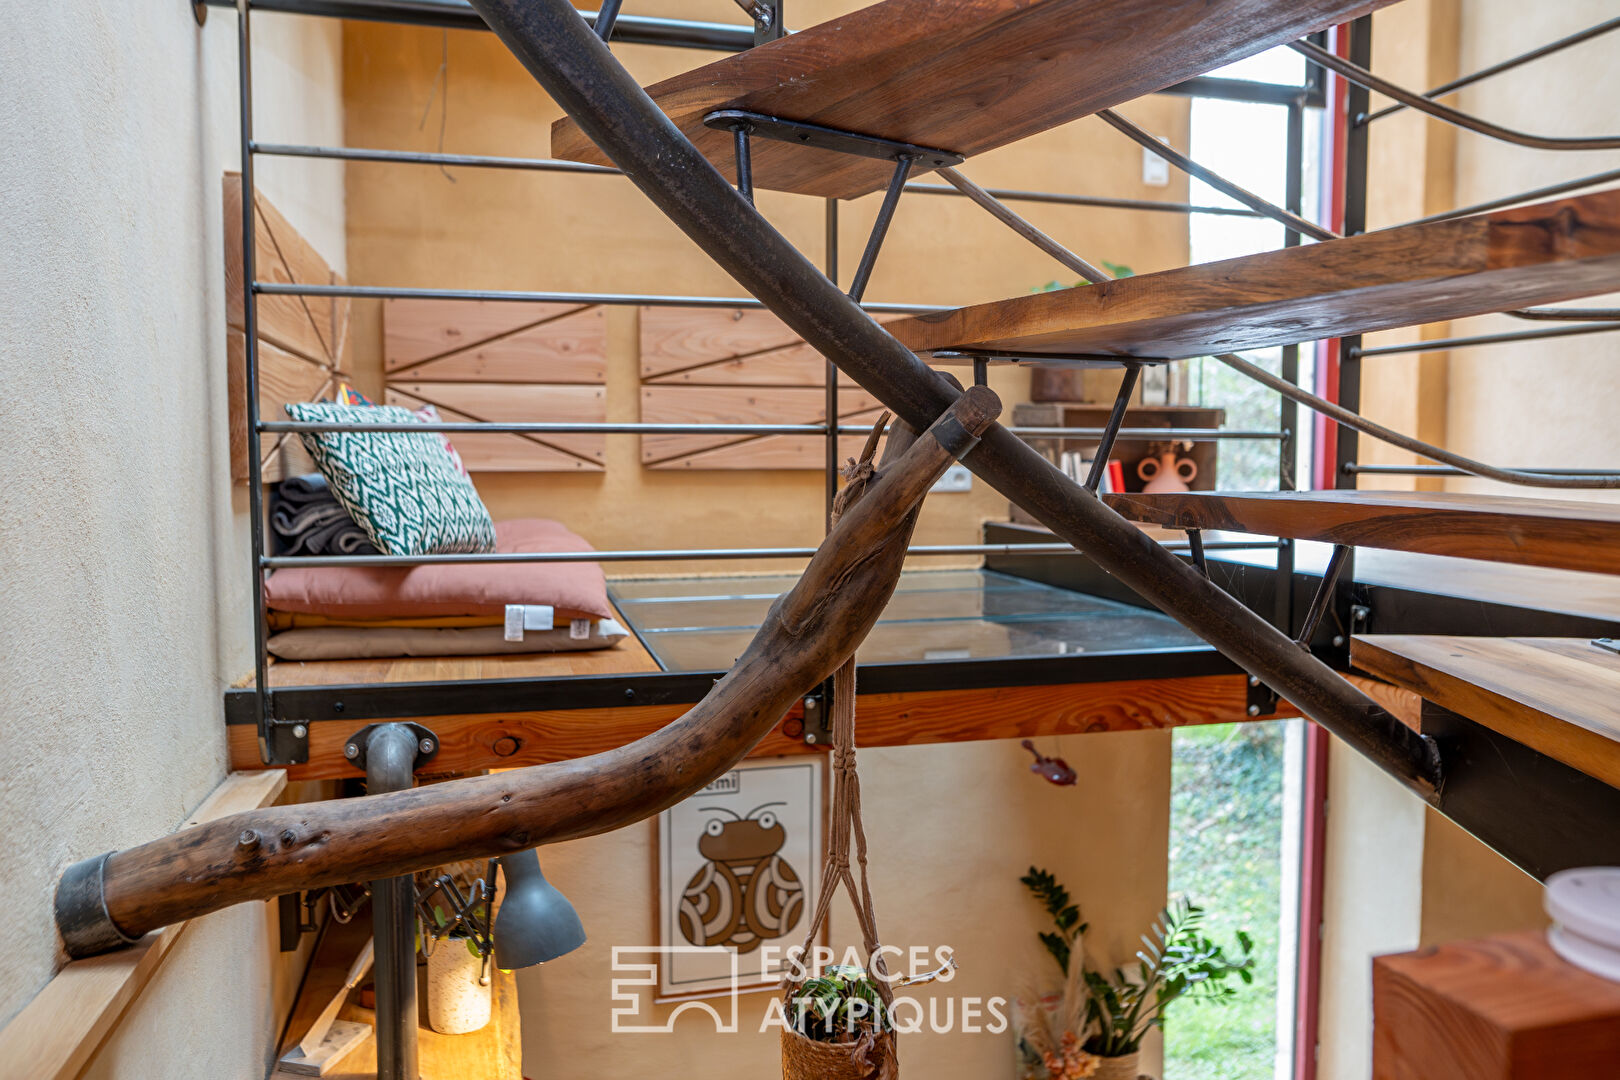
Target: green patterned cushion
(401,487)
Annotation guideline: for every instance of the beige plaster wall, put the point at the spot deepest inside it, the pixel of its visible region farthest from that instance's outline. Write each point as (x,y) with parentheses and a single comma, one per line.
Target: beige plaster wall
(952,827)
(123,556)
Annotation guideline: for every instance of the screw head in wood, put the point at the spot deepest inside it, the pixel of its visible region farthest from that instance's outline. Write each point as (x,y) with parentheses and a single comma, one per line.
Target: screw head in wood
(1254,710)
(810,737)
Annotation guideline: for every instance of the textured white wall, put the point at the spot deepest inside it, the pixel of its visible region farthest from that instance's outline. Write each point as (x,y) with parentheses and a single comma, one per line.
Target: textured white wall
(123,553)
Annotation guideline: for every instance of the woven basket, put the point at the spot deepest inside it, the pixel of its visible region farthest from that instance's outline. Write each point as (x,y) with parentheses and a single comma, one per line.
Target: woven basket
(806,1059)
(1125,1067)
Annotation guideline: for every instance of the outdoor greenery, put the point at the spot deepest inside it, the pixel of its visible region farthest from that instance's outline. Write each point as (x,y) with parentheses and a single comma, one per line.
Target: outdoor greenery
(1225,846)
(838,1006)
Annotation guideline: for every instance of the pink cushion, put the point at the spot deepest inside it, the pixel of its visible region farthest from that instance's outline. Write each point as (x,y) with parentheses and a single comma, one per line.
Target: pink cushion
(577,590)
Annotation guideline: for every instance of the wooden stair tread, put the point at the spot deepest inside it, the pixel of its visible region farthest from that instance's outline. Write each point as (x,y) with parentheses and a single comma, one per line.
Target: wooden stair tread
(1405,276)
(960,75)
(1558,696)
(1533,532)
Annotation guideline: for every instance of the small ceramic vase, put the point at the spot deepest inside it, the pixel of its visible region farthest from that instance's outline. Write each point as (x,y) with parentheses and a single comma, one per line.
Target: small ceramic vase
(457,1003)
(1166,473)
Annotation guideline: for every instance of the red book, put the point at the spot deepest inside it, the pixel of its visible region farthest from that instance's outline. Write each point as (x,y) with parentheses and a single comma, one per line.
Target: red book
(1116,476)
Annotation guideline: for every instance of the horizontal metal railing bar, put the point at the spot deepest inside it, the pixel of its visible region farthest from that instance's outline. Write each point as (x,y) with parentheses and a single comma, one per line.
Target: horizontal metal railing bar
(1105,201)
(1263,93)
(584,427)
(492,161)
(1442,344)
(1523,196)
(397,292)
(1352,467)
(278,562)
(459,15)
(1505,65)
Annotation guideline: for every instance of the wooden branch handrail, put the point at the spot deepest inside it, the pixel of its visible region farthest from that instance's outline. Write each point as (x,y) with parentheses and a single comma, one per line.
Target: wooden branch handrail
(105,901)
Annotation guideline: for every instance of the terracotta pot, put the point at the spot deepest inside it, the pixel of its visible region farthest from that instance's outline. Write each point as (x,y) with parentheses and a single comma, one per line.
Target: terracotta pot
(1124,1067)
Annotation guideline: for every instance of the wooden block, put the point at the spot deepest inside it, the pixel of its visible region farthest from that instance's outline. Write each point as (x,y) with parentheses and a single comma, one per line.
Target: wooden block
(283,377)
(341,1038)
(1558,696)
(1394,277)
(55,1035)
(290,322)
(960,75)
(1497,1008)
(487,341)
(1533,532)
(710,346)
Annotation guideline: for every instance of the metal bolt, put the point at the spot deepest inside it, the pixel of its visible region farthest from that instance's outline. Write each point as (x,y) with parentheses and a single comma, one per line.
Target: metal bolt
(351,751)
(1254,680)
(426,746)
(1254,710)
(248,840)
(629,693)
(810,737)
(299,731)
(337,706)
(1338,641)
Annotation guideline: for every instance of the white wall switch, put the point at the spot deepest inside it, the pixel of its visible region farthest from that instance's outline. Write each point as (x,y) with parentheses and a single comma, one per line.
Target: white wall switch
(1155,170)
(956,478)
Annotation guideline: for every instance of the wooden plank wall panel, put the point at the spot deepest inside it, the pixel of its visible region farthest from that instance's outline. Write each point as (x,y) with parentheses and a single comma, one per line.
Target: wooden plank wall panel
(737,405)
(487,341)
(739,366)
(494,403)
(494,361)
(304,342)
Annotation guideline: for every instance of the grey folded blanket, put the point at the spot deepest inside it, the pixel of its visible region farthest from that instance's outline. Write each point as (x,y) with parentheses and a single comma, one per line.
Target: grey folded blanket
(309,520)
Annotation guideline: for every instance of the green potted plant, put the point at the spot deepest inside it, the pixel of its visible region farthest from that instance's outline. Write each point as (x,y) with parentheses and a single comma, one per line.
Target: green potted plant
(839,1027)
(1178,959)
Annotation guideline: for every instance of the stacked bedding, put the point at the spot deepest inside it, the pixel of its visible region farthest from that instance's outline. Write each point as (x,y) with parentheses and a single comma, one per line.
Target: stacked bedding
(452,609)
(407,493)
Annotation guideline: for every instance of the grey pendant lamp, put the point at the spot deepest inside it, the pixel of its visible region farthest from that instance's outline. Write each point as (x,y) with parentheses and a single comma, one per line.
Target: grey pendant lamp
(535,923)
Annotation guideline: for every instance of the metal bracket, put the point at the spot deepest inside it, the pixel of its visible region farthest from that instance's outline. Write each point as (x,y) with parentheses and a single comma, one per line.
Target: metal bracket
(297,911)
(818,716)
(1608,643)
(427,744)
(283,742)
(826,138)
(1262,699)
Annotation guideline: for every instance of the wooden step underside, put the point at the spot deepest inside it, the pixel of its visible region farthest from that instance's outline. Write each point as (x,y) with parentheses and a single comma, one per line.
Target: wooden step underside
(1558,696)
(1532,532)
(964,76)
(1403,276)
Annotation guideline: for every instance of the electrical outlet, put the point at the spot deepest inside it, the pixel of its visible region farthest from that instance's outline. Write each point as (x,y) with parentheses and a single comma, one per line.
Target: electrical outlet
(956,478)
(1155,170)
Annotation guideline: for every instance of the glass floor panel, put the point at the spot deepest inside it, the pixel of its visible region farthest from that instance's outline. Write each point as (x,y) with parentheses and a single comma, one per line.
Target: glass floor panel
(703,624)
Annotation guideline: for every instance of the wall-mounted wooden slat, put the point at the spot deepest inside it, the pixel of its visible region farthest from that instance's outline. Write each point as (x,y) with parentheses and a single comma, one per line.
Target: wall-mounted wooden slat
(778,451)
(734,405)
(496,402)
(55,1036)
(709,346)
(283,377)
(298,324)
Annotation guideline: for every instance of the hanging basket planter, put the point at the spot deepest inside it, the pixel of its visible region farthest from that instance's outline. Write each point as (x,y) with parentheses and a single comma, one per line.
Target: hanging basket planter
(863,1059)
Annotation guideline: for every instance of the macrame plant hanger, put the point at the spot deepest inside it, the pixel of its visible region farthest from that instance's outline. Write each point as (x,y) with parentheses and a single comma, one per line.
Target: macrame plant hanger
(873,1056)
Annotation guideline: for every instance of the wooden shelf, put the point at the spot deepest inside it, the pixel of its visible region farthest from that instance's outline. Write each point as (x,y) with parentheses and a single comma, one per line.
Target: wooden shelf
(1558,696)
(1533,532)
(965,76)
(1397,277)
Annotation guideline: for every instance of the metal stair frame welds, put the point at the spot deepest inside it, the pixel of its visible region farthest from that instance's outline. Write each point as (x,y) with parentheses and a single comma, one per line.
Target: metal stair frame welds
(572,65)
